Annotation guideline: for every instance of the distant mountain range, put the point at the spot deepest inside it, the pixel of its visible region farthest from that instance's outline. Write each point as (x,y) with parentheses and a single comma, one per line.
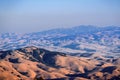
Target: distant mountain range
(80,39)
(77,53)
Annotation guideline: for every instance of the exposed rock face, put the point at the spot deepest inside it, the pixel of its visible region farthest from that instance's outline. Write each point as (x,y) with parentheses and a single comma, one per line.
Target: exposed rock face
(30,62)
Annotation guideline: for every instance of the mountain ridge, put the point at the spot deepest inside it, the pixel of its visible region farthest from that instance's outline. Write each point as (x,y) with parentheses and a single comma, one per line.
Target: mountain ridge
(29,62)
(103,40)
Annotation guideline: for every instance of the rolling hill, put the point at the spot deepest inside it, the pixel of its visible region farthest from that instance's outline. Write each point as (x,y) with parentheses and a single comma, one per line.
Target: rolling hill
(31,62)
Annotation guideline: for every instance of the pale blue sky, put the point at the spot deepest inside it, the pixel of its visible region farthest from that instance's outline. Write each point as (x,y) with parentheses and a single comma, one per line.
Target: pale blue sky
(39,15)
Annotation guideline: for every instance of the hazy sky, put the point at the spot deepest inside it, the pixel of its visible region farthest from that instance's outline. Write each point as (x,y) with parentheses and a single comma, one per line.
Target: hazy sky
(39,15)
